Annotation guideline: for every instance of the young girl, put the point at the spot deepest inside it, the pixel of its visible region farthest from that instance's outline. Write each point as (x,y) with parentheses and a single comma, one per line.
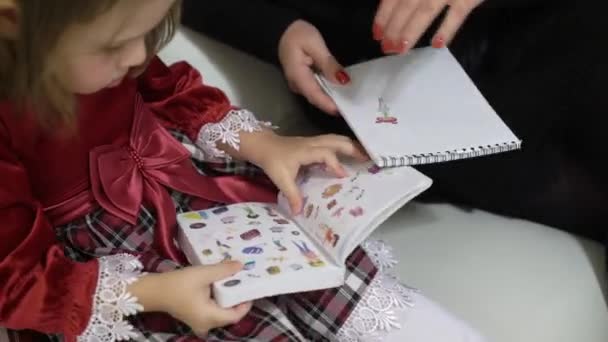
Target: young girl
(101,144)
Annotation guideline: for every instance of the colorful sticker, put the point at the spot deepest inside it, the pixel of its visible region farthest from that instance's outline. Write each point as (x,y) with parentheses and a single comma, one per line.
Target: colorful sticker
(309,210)
(356,212)
(331,204)
(329,235)
(221,244)
(253,250)
(281,221)
(249,265)
(192,216)
(384,111)
(272,270)
(277,259)
(219,210)
(250,234)
(331,190)
(226,256)
(279,245)
(296,267)
(270,212)
(338,212)
(228,219)
(277,229)
(231,283)
(251,214)
(207,252)
(198,225)
(312,257)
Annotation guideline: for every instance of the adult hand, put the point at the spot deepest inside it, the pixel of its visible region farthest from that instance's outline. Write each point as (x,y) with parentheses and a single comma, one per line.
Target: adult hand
(301,50)
(399,24)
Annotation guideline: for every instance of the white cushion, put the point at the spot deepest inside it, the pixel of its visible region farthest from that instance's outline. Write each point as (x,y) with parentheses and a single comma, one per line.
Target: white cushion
(511,279)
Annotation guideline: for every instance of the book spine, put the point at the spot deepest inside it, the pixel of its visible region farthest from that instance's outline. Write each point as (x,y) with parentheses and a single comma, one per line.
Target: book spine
(440,157)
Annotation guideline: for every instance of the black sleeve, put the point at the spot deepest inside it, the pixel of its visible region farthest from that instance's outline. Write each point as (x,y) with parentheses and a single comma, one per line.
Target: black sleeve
(516,4)
(254,26)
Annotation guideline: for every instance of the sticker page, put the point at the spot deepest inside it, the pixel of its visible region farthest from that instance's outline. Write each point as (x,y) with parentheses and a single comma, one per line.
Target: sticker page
(341,213)
(258,235)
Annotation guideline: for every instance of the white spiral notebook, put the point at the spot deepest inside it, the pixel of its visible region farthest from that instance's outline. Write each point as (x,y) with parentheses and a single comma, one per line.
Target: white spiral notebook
(419,108)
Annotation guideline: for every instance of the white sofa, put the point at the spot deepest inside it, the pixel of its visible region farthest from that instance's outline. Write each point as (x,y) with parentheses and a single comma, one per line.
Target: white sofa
(513,280)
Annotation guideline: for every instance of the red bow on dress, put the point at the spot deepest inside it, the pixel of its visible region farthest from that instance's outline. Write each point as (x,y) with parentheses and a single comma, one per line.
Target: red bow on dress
(122,177)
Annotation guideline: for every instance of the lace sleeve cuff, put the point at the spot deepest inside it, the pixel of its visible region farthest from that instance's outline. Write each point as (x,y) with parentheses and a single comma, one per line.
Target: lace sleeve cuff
(112,303)
(227,132)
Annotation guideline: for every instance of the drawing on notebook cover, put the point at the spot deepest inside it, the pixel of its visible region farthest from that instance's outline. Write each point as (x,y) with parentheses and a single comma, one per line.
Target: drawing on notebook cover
(374,169)
(384,110)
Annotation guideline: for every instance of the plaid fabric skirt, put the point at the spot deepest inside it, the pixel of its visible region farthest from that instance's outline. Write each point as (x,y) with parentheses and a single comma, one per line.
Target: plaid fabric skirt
(310,316)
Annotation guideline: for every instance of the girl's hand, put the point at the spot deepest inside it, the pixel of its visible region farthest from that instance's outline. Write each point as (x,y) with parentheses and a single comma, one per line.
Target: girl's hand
(281,159)
(400,23)
(186,295)
(302,48)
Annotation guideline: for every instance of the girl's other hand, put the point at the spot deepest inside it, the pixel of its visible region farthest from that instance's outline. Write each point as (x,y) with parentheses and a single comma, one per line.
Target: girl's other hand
(185,294)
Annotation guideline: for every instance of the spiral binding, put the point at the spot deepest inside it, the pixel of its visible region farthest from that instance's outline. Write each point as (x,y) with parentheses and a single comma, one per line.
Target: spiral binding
(428,158)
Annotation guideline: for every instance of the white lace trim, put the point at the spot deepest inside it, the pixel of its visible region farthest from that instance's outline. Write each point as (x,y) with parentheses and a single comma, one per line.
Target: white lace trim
(380,253)
(112,301)
(377,312)
(227,132)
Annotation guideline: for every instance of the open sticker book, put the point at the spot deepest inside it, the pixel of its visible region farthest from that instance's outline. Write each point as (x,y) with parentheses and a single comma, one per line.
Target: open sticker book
(284,254)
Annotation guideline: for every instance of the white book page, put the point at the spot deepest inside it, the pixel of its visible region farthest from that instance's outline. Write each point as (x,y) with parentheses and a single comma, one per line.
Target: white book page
(415,104)
(269,245)
(341,213)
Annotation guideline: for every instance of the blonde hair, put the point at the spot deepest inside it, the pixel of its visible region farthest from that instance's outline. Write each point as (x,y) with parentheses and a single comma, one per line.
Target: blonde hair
(24,75)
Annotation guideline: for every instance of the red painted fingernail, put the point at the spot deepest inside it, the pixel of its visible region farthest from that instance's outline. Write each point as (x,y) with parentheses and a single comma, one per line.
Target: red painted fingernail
(377,32)
(390,47)
(402,46)
(438,42)
(342,77)
(387,46)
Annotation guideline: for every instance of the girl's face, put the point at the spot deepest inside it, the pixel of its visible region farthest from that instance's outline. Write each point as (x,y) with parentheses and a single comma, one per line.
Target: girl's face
(99,54)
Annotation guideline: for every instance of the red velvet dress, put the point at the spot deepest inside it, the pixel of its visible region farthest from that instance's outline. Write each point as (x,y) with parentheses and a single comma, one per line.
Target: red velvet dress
(80,211)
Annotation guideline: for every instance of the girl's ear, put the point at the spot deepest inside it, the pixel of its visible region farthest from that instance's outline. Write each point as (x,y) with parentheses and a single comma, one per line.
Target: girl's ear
(8,19)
